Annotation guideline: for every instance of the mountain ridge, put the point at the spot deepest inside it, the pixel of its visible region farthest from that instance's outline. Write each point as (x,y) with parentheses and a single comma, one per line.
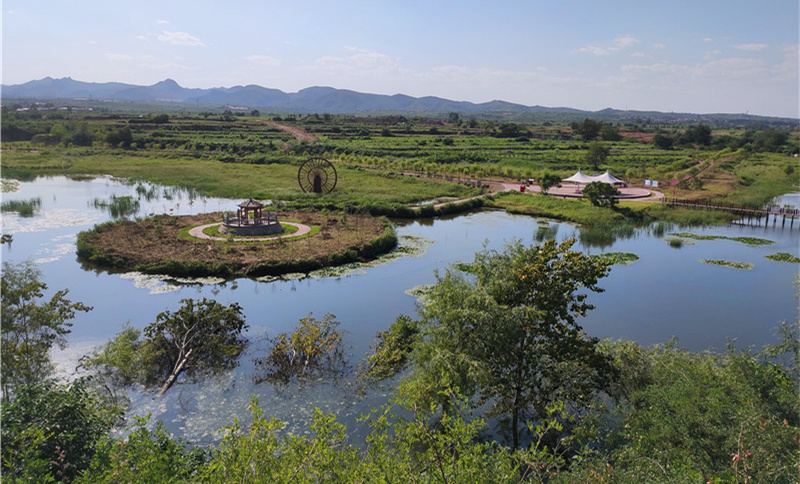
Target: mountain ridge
(310,99)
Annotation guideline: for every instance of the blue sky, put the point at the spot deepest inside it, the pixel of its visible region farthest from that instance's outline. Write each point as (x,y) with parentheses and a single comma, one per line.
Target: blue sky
(698,56)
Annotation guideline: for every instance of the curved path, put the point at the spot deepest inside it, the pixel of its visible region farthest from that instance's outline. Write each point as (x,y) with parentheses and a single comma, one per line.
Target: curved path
(197,232)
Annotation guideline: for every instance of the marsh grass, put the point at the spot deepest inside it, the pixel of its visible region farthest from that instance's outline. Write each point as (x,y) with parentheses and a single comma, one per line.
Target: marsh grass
(618,258)
(733,264)
(677,242)
(25,208)
(755,241)
(118,207)
(784,257)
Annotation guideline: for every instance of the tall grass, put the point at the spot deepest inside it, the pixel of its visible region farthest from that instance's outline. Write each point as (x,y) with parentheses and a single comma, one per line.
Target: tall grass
(25,208)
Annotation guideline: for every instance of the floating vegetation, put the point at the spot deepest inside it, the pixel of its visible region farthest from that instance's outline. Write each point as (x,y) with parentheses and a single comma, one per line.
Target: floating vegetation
(734,264)
(118,207)
(420,292)
(677,242)
(618,258)
(753,240)
(744,240)
(407,246)
(25,208)
(784,257)
(161,284)
(9,186)
(338,272)
(156,284)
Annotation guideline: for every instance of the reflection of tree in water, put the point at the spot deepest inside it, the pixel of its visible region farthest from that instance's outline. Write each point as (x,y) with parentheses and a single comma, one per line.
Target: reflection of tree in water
(603,234)
(314,352)
(545,231)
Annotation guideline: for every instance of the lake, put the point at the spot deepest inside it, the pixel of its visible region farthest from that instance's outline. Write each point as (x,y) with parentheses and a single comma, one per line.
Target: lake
(668,293)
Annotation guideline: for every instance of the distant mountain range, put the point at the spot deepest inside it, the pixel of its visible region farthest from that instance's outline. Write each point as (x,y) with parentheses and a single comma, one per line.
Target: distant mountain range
(317,100)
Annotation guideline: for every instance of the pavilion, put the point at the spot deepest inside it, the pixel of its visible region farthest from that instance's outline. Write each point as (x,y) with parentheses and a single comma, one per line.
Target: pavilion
(241,223)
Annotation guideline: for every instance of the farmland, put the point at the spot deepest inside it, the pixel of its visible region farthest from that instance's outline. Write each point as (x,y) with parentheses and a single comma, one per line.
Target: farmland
(238,155)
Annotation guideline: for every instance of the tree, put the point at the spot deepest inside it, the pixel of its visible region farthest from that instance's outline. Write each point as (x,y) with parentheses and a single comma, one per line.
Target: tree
(313,351)
(49,431)
(510,130)
(547,181)
(120,137)
(597,154)
(201,337)
(699,134)
(663,141)
(588,129)
(31,327)
(609,132)
(601,194)
(508,334)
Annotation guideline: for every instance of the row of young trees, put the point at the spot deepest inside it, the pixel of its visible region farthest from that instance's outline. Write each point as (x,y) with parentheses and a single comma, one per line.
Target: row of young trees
(498,337)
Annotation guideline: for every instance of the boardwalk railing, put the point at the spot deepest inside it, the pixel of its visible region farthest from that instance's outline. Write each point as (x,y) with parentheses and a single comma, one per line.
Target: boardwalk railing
(734,208)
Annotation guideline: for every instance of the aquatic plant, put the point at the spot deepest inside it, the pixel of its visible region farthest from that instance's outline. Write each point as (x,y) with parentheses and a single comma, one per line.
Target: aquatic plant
(618,258)
(25,208)
(734,264)
(744,240)
(118,207)
(784,257)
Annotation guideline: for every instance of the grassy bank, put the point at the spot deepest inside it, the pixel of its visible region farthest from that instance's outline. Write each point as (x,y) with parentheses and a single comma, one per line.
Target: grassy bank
(233,180)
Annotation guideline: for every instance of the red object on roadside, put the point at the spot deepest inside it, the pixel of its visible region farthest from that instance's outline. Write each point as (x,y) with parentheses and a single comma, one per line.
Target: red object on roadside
(522,188)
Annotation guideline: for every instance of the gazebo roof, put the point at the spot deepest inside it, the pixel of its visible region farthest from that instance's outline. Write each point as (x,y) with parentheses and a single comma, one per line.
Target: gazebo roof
(251,204)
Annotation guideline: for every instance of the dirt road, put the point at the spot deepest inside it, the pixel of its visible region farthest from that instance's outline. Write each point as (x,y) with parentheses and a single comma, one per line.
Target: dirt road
(299,134)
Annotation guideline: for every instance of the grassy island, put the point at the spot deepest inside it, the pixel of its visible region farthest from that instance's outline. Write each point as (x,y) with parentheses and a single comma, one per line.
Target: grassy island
(162,245)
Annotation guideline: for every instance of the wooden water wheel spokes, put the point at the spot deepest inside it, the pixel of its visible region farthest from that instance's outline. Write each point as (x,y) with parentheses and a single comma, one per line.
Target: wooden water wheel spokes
(317,175)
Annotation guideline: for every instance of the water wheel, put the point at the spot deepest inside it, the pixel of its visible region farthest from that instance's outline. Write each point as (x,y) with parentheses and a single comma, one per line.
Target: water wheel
(317,175)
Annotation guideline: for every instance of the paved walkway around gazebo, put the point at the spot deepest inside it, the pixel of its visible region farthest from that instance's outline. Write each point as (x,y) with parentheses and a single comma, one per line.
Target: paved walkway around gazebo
(198,233)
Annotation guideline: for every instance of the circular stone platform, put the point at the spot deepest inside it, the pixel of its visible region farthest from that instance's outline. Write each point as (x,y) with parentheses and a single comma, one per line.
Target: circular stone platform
(197,232)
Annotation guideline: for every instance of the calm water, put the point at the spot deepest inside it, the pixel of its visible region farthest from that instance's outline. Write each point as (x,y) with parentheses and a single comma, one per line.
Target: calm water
(667,293)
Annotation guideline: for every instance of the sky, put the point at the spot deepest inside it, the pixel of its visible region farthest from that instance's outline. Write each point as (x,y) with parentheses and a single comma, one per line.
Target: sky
(698,56)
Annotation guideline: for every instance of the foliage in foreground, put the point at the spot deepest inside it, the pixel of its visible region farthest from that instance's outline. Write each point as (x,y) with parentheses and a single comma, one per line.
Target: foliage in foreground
(682,417)
(30,325)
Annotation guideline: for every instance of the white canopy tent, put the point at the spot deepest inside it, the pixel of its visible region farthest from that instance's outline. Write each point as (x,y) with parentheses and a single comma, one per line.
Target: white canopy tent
(585,179)
(578,178)
(608,178)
